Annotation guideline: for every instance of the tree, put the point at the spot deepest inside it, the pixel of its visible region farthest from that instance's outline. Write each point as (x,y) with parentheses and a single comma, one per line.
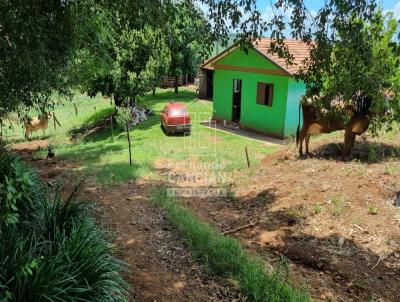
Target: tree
(124,118)
(141,55)
(55,46)
(352,54)
(35,43)
(187,39)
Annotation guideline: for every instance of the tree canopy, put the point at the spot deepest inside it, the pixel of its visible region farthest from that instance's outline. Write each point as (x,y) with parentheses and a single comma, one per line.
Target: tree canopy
(35,41)
(123,46)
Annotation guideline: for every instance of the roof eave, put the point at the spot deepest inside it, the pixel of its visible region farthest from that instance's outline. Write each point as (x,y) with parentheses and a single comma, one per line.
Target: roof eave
(273,62)
(210,62)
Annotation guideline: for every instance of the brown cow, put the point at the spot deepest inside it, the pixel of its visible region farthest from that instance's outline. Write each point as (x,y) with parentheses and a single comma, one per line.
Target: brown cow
(357,125)
(311,126)
(37,123)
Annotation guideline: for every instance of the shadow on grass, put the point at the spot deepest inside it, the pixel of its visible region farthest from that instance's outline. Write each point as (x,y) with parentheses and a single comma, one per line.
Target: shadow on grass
(367,152)
(184,96)
(109,173)
(88,152)
(118,173)
(102,130)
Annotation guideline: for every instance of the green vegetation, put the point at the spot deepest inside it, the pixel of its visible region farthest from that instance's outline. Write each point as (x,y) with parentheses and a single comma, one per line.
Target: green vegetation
(107,158)
(226,257)
(372,210)
(317,208)
(50,249)
(339,204)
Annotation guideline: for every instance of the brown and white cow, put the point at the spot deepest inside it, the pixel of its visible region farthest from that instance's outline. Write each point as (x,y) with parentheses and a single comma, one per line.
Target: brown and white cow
(37,123)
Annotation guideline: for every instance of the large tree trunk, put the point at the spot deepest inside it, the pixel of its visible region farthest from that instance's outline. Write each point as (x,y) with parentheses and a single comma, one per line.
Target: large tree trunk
(349,140)
(118,100)
(176,84)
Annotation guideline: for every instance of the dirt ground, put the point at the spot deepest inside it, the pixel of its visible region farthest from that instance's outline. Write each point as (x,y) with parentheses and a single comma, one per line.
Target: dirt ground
(335,221)
(161,266)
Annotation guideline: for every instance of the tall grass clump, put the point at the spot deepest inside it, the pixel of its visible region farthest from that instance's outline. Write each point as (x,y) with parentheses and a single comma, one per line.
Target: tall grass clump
(226,257)
(50,248)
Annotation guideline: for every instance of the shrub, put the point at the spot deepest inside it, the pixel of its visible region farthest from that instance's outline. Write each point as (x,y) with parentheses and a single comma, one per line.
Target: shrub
(50,250)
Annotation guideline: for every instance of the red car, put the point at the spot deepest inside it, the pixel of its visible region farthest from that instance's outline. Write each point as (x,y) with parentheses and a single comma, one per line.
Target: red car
(175,118)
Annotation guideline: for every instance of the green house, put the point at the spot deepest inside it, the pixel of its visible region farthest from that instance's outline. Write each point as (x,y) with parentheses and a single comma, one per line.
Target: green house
(256,89)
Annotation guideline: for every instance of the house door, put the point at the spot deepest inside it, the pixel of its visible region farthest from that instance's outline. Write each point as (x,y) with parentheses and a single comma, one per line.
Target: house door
(236,100)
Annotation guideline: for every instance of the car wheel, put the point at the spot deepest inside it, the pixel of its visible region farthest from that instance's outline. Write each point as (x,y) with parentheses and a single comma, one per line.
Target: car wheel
(166,132)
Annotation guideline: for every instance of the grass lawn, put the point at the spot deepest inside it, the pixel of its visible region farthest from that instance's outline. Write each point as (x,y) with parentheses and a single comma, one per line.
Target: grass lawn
(106,156)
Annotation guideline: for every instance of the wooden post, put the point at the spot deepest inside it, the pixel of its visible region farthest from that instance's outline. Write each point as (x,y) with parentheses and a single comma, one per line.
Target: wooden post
(247,157)
(56,122)
(129,143)
(112,128)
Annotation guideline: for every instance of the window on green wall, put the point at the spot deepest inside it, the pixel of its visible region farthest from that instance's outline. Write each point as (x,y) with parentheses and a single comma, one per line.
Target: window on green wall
(265,93)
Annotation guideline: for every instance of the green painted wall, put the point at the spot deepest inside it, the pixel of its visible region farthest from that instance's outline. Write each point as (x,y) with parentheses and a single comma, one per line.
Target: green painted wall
(268,119)
(295,91)
(252,59)
(265,118)
(280,118)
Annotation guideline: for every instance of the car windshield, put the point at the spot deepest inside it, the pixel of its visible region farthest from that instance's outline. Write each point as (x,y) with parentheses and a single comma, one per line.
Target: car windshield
(178,112)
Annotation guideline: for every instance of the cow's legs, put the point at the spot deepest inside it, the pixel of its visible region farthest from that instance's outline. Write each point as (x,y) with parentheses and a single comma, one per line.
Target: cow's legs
(303,134)
(27,135)
(307,143)
(349,140)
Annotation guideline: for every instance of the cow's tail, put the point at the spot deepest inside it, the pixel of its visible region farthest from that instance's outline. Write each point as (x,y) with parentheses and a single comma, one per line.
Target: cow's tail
(298,128)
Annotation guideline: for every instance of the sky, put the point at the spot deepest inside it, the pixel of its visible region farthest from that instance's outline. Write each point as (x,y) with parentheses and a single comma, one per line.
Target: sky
(314,5)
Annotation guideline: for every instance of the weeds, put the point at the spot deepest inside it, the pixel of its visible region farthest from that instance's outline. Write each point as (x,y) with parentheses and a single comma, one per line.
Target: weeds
(372,155)
(372,210)
(339,205)
(317,208)
(226,257)
(297,213)
(230,195)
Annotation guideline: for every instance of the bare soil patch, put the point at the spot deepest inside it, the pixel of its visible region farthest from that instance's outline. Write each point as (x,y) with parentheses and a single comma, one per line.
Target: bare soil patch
(334,219)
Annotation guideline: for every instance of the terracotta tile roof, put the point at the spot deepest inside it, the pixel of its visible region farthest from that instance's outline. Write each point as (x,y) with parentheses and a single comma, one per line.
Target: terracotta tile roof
(298,49)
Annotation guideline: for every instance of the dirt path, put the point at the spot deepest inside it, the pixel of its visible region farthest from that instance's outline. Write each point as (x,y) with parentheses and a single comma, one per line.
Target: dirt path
(161,266)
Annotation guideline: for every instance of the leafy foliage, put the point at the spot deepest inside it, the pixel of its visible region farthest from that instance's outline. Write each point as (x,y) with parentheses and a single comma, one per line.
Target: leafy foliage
(353,56)
(188,39)
(141,56)
(18,191)
(55,253)
(35,41)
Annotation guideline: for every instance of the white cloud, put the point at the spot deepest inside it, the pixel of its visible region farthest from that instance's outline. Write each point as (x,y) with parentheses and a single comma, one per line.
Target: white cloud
(396,10)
